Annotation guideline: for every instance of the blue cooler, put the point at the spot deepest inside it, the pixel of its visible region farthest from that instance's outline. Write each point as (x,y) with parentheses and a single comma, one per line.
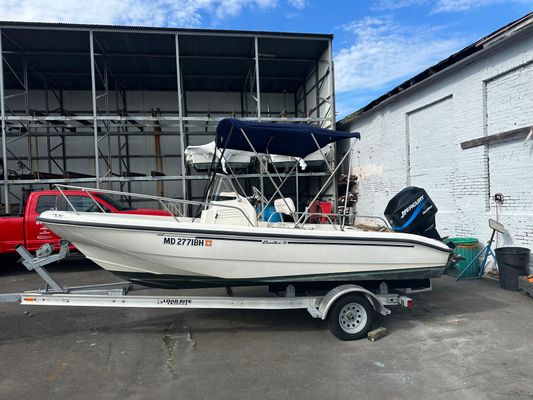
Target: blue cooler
(269,214)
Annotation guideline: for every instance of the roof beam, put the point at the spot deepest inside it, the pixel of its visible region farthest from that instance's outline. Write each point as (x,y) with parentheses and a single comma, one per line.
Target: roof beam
(269,57)
(154,75)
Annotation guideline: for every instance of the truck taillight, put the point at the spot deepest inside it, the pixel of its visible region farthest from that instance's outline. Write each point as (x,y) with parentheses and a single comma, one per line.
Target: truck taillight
(406,301)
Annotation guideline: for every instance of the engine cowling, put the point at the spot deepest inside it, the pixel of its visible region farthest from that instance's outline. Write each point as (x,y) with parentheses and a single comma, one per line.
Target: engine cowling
(413,211)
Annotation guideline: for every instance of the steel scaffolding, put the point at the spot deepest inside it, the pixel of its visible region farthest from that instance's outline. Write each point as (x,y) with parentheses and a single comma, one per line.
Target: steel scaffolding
(111,75)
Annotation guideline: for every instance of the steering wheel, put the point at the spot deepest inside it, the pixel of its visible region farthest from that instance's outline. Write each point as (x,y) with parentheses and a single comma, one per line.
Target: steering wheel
(258,196)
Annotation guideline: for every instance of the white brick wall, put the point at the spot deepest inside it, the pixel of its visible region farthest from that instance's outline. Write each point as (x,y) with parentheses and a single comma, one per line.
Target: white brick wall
(416,139)
(422,153)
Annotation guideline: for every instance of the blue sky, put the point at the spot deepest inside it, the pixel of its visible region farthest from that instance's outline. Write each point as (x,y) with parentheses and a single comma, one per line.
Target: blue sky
(378,43)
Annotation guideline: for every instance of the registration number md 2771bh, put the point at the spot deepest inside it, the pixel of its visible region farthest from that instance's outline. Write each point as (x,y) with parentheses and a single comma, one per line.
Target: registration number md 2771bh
(177,241)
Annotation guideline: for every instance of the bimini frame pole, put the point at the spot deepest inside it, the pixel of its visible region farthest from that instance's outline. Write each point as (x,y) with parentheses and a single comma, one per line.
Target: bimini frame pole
(223,157)
(322,153)
(276,188)
(215,162)
(287,176)
(325,184)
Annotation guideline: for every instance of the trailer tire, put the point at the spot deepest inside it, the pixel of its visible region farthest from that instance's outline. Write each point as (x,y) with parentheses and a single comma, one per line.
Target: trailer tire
(351,317)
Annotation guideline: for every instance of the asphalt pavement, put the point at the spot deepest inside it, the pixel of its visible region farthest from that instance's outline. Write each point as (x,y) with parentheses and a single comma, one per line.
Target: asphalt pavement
(464,340)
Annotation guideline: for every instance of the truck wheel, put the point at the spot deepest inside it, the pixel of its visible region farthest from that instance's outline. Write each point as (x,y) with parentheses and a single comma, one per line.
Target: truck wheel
(351,317)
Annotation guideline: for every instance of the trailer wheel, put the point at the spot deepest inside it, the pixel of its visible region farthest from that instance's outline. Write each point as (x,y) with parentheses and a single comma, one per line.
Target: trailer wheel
(351,317)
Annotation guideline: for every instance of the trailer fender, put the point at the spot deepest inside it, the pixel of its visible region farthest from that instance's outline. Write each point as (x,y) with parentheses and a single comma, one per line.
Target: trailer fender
(334,294)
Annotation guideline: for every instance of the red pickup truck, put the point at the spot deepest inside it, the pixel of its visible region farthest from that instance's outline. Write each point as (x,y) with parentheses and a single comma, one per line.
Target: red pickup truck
(26,230)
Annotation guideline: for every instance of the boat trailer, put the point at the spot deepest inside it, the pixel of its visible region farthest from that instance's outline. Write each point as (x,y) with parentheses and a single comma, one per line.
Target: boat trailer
(350,309)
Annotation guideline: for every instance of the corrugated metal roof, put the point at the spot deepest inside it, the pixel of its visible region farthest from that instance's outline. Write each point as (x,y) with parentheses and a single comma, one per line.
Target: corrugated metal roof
(500,34)
(138,59)
(104,27)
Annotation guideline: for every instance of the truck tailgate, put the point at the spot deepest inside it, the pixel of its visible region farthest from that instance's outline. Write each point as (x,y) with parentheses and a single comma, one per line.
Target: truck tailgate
(11,233)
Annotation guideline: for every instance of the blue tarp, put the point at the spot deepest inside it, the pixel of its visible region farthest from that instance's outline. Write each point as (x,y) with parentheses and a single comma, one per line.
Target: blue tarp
(286,139)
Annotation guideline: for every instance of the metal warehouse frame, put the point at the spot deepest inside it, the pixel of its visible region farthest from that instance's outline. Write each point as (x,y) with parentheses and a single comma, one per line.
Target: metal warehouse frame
(32,61)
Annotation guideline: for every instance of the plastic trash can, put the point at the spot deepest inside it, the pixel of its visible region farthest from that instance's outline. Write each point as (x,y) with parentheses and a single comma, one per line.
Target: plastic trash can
(512,262)
(468,248)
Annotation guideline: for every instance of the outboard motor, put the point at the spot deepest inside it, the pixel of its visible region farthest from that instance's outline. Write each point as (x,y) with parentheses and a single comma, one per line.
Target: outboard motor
(412,211)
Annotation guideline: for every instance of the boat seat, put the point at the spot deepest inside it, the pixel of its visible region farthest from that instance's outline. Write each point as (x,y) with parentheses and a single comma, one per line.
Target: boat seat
(241,213)
(284,206)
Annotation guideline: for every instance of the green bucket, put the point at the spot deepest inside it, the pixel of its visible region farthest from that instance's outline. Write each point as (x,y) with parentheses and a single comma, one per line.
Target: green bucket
(468,248)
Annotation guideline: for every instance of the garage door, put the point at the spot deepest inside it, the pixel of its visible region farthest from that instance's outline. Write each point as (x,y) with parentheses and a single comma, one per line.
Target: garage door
(430,132)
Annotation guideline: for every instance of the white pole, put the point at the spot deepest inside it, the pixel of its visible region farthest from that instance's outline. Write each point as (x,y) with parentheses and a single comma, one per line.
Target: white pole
(180,114)
(258,96)
(95,120)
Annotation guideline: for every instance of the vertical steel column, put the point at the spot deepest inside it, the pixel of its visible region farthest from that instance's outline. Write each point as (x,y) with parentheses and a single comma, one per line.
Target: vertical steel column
(332,85)
(109,172)
(333,113)
(3,115)
(95,119)
(257,85)
(31,160)
(48,138)
(180,114)
(63,142)
(305,99)
(317,92)
(258,94)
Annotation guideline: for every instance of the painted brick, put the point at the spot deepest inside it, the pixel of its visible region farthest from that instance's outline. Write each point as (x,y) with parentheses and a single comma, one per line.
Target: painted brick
(423,129)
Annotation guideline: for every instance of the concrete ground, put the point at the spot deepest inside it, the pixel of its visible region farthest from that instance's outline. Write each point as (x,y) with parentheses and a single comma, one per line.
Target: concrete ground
(464,340)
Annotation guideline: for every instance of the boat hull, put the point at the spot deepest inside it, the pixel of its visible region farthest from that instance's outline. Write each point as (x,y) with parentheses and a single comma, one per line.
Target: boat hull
(414,278)
(158,251)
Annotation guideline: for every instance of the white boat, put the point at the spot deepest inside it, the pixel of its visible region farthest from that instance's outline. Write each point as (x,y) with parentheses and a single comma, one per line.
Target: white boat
(158,251)
(201,157)
(226,245)
(314,159)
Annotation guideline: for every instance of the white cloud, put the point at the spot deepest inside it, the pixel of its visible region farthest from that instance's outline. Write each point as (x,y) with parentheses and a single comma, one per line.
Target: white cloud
(395,4)
(462,5)
(441,6)
(180,13)
(299,4)
(384,51)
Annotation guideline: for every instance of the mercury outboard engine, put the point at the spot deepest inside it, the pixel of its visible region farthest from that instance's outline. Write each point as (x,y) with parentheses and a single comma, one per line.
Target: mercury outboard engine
(412,211)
